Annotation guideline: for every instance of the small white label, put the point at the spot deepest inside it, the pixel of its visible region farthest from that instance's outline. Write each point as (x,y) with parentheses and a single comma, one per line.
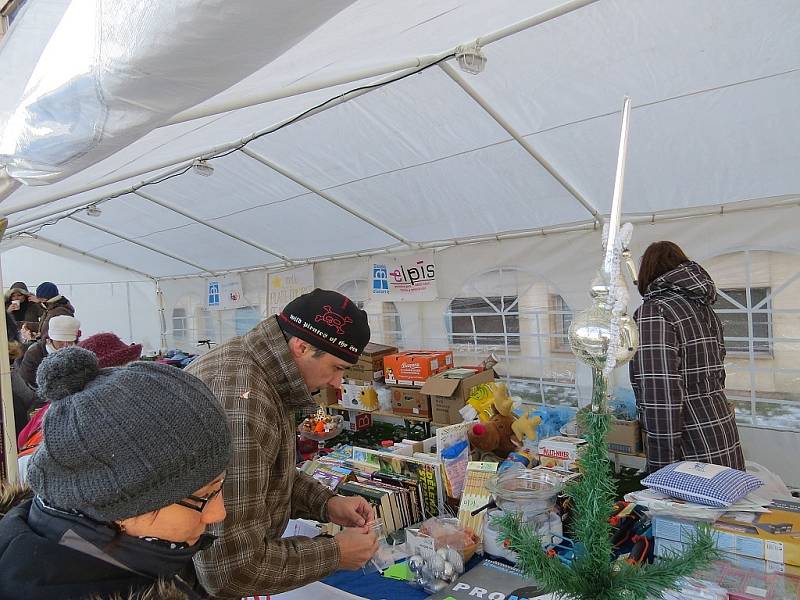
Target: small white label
(754,591)
(773,551)
(703,470)
(434,364)
(415,410)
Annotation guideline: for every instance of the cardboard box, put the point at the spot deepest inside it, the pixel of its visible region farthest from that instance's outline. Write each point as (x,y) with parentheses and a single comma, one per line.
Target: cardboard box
(410,402)
(327,396)
(415,366)
(362,376)
(359,421)
(625,436)
(371,358)
(663,548)
(773,537)
(359,397)
(561,452)
(448,396)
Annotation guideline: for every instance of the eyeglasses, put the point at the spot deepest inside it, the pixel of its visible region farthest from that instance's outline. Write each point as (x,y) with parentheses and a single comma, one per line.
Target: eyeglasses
(200,501)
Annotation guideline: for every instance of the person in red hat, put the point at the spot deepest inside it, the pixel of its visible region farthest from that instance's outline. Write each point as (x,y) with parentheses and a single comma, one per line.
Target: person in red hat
(111,352)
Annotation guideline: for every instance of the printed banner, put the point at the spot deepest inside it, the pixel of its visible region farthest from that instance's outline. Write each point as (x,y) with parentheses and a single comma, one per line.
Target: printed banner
(285,286)
(404,278)
(225,292)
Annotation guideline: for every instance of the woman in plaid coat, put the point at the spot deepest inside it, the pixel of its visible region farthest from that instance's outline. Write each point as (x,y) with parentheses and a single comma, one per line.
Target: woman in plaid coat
(678,375)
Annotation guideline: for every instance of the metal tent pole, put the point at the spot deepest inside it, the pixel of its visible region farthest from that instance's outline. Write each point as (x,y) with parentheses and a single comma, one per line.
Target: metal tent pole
(6,394)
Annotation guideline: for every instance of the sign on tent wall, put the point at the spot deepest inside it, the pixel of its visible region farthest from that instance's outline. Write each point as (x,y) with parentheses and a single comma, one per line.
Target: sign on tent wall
(224,292)
(403,278)
(285,286)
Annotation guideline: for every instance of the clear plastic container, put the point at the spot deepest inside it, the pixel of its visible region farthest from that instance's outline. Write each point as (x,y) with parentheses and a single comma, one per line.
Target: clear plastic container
(526,491)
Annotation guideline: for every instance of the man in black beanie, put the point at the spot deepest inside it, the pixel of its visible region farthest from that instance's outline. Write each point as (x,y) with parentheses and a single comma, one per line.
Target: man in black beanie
(261,378)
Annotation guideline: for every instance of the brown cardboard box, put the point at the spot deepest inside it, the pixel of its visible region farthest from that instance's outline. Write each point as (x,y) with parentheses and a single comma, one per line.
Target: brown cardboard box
(327,396)
(361,376)
(371,358)
(414,367)
(410,402)
(625,436)
(448,396)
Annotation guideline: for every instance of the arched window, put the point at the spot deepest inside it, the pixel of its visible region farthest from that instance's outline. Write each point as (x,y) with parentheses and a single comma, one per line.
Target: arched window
(384,319)
(524,322)
(759,304)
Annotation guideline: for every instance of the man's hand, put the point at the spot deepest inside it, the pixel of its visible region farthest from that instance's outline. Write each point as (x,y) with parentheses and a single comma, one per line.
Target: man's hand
(356,546)
(351,511)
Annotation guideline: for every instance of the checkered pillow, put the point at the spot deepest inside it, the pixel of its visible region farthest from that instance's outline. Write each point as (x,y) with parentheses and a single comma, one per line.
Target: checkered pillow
(712,485)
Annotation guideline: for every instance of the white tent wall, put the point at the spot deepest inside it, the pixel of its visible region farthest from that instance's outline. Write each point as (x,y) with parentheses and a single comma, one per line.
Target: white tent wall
(750,251)
(105,298)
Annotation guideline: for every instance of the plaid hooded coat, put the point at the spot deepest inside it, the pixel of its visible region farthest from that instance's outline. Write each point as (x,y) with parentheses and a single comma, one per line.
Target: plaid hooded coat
(678,375)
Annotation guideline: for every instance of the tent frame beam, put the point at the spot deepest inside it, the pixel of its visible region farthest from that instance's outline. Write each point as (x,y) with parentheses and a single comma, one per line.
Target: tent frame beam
(591,225)
(327,196)
(207,223)
(141,244)
(48,242)
(185,162)
(484,104)
(215,108)
(309,86)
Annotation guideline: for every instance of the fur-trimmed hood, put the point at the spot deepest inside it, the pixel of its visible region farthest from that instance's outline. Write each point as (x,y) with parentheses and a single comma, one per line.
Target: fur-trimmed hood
(12,494)
(163,590)
(21,537)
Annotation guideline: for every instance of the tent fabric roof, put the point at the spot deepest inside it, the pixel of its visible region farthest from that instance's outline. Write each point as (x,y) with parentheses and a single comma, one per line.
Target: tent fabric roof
(715,121)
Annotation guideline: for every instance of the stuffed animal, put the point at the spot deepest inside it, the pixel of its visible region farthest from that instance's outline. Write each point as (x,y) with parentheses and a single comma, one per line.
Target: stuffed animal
(525,426)
(493,436)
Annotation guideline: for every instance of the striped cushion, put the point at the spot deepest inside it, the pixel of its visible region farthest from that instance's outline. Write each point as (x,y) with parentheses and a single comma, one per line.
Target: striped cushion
(712,485)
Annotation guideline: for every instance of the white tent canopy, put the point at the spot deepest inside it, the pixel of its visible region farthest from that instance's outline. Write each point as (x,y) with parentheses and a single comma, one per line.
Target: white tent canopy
(420,161)
(505,172)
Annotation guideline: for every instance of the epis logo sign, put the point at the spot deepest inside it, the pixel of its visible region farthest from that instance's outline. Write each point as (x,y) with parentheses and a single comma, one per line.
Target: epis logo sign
(413,275)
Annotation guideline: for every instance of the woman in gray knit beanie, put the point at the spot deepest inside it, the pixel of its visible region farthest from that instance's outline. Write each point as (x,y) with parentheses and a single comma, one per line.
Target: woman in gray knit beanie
(126,479)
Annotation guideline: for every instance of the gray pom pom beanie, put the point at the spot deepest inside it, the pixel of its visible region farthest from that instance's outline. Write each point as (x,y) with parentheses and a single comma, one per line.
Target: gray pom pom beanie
(121,442)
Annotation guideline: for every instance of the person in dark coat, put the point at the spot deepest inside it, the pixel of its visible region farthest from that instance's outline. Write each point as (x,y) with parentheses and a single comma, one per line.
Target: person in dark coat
(678,373)
(127,478)
(54,305)
(22,305)
(63,333)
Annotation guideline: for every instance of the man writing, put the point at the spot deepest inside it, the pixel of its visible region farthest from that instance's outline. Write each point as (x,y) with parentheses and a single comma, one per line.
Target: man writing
(261,378)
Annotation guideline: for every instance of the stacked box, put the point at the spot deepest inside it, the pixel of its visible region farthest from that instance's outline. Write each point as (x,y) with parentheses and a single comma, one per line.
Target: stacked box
(410,401)
(449,395)
(772,537)
(359,397)
(369,367)
(413,368)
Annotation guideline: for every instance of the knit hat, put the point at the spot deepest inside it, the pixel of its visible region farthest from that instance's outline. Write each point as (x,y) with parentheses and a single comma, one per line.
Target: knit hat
(125,441)
(47,290)
(18,287)
(63,328)
(110,350)
(329,321)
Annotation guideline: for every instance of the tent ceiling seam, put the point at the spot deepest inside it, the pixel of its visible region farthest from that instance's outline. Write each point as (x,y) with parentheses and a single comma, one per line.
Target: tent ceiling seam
(142,244)
(217,228)
(326,196)
(498,118)
(46,240)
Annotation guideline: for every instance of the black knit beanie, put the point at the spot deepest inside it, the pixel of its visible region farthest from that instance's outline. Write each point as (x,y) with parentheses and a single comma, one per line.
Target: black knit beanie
(329,321)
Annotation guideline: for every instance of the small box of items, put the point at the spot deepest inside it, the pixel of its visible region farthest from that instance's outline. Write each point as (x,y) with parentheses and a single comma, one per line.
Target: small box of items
(561,452)
(414,367)
(410,402)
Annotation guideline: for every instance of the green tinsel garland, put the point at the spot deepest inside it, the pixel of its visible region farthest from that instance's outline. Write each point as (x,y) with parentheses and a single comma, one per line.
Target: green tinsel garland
(593,575)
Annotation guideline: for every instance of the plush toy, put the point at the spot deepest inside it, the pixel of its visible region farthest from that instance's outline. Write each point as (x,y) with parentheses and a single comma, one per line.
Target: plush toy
(495,435)
(525,426)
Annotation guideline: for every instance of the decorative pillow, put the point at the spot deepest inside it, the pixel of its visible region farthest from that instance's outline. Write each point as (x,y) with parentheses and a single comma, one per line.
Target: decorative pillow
(712,485)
